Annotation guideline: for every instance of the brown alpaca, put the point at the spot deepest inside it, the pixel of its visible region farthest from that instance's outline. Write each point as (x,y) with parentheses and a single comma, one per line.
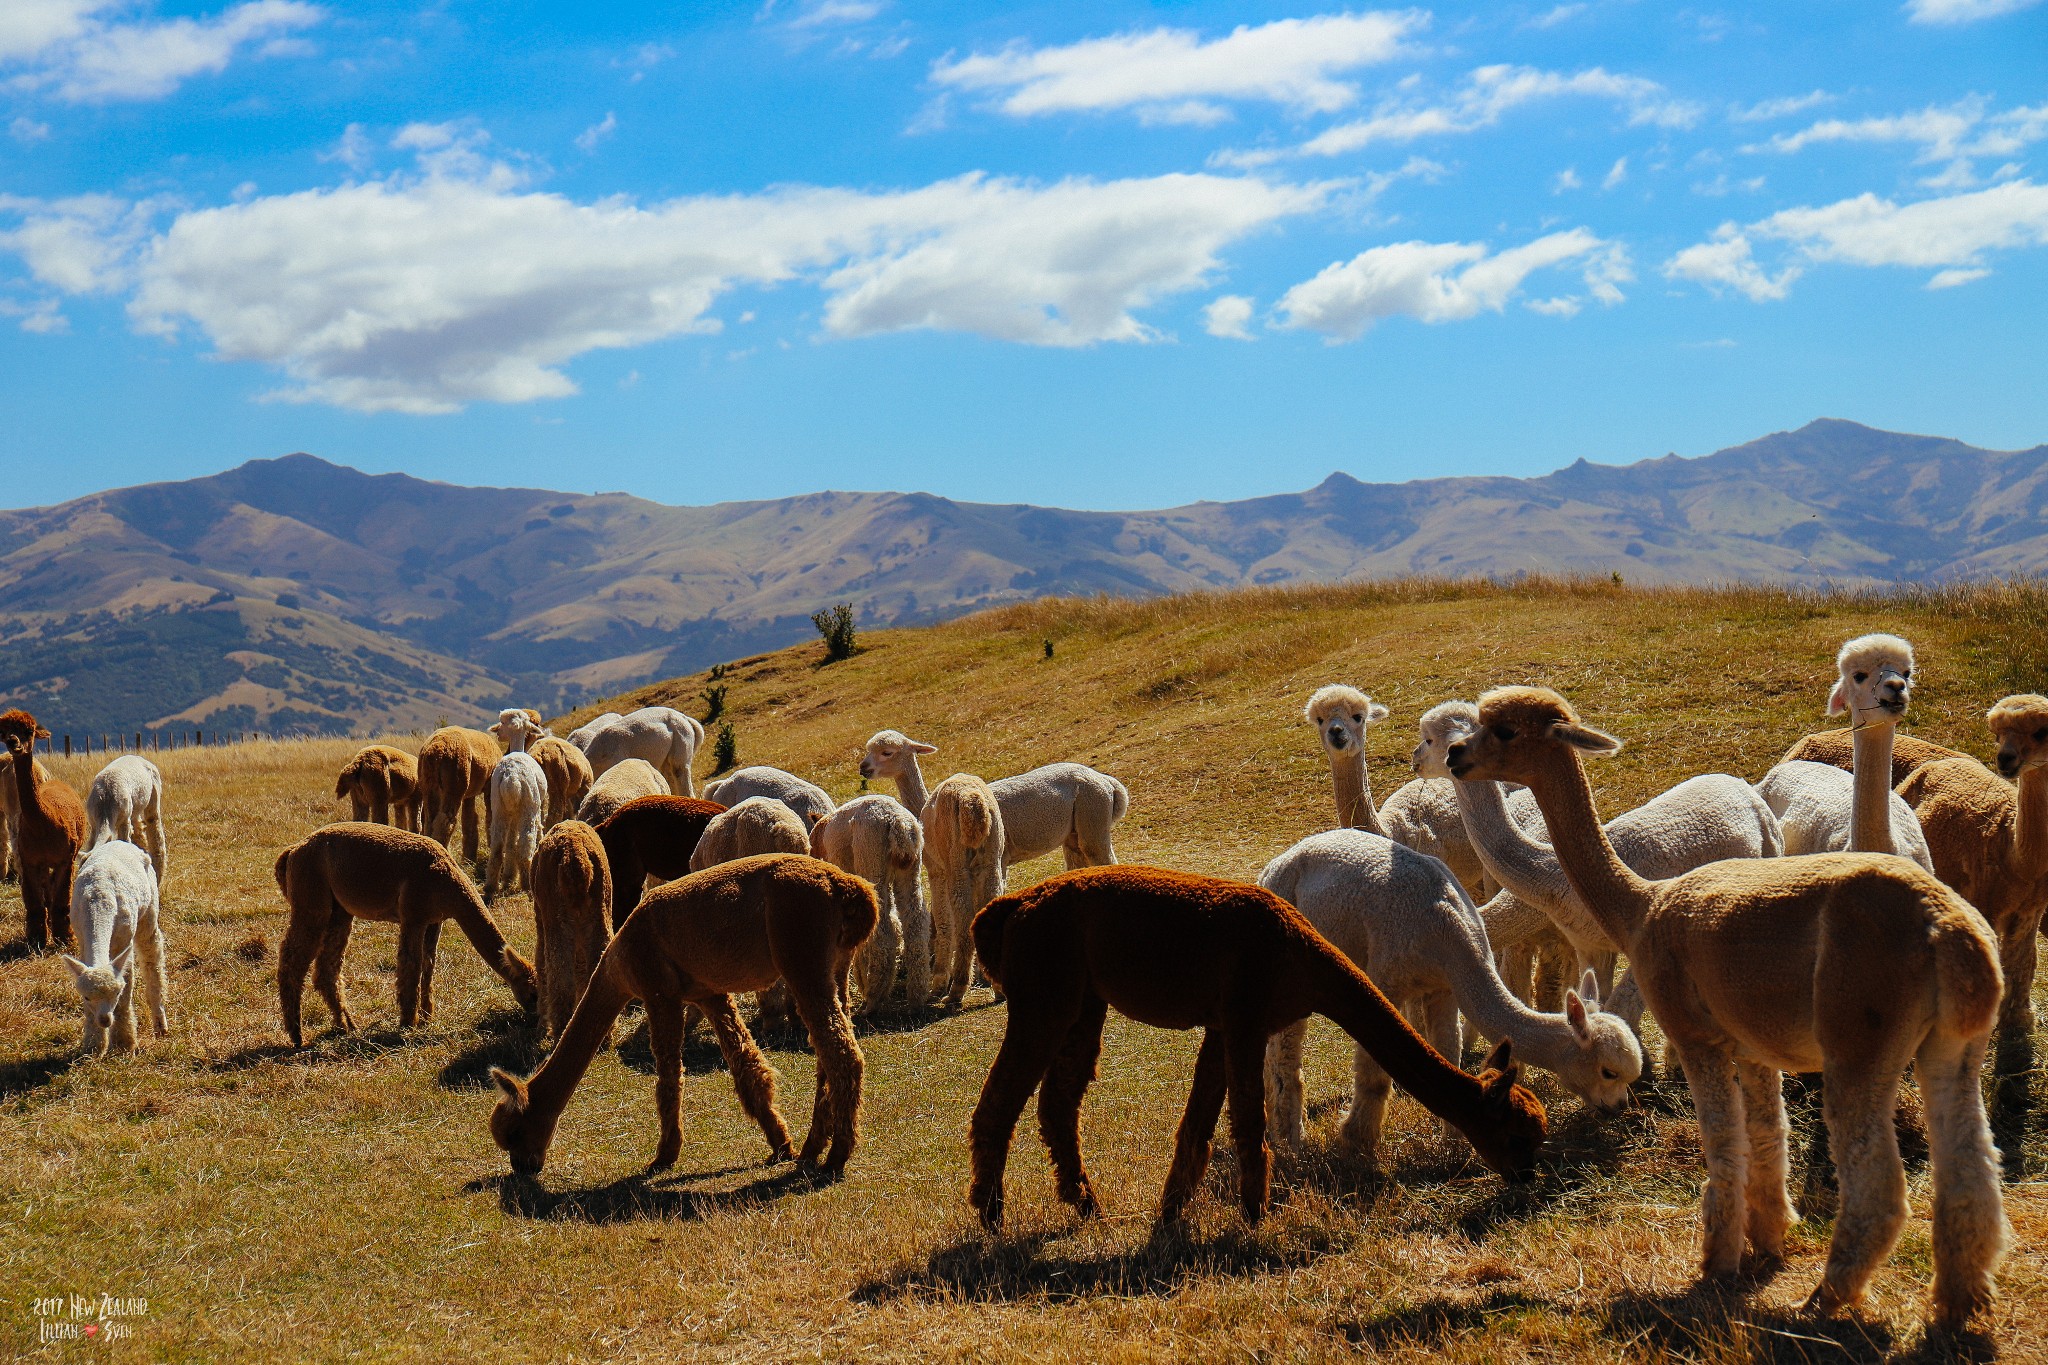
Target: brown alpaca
(651,836)
(734,927)
(10,814)
(344,873)
(1179,951)
(455,769)
(1837,748)
(51,830)
(572,890)
(382,785)
(567,772)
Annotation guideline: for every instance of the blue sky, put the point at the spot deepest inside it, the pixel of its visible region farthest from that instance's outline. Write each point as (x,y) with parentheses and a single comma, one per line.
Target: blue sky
(1103,255)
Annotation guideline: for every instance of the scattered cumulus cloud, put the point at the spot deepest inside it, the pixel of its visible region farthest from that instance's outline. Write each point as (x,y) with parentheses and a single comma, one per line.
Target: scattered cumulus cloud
(1566,179)
(1726,262)
(70,49)
(1229,317)
(1552,18)
(589,138)
(25,130)
(1957,134)
(1764,111)
(1963,11)
(824,13)
(1616,174)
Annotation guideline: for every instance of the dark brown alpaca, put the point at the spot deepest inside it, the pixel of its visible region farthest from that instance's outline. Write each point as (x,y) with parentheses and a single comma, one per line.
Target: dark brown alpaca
(52,828)
(572,890)
(1179,951)
(348,872)
(455,769)
(382,786)
(651,836)
(733,927)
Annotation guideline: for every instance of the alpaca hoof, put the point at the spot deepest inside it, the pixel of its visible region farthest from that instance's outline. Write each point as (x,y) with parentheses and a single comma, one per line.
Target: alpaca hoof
(988,1206)
(1824,1303)
(662,1161)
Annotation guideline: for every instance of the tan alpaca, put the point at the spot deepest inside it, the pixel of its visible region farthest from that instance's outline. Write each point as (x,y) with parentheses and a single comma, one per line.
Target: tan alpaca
(454,770)
(874,837)
(344,873)
(568,774)
(755,826)
(735,927)
(628,780)
(1852,964)
(10,815)
(963,855)
(382,785)
(572,894)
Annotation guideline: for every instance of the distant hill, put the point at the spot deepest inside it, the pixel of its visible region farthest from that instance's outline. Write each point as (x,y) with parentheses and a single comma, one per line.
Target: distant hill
(298,595)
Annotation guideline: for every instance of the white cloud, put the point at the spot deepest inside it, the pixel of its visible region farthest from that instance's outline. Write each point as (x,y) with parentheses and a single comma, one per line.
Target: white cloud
(1562,307)
(31,27)
(38,315)
(1949,279)
(1566,179)
(1554,17)
(82,245)
(1441,282)
(820,13)
(1229,317)
(1962,11)
(352,149)
(1172,75)
(1783,107)
(1956,134)
(69,48)
(587,140)
(25,129)
(1616,173)
(1726,262)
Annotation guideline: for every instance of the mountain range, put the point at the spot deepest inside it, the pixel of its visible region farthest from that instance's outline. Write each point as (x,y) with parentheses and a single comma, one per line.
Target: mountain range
(295,595)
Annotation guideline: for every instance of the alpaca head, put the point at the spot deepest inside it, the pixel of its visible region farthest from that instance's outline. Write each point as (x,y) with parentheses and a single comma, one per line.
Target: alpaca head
(20,732)
(517,727)
(2020,725)
(518,974)
(520,1133)
(1340,715)
(1608,1059)
(1442,726)
(99,990)
(891,753)
(1512,1126)
(1521,731)
(1876,679)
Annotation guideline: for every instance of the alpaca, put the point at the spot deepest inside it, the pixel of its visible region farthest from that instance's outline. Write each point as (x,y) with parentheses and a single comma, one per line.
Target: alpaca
(874,837)
(661,735)
(52,829)
(10,816)
(382,784)
(1851,964)
(893,754)
(126,801)
(756,825)
(518,802)
(1837,749)
(1065,806)
(651,838)
(517,728)
(114,912)
(572,893)
(343,873)
(1179,951)
(735,927)
(963,855)
(568,773)
(1406,922)
(584,733)
(807,799)
(454,772)
(622,782)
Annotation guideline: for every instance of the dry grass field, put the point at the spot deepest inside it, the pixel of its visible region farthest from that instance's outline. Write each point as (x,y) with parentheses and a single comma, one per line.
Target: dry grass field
(346,1202)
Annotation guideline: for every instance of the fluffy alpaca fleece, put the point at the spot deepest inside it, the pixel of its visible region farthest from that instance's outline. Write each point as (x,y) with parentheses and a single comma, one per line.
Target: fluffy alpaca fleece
(893,754)
(650,839)
(126,801)
(622,782)
(735,927)
(52,828)
(1179,951)
(807,799)
(114,914)
(1405,921)
(382,784)
(756,825)
(568,773)
(10,816)
(343,873)
(518,803)
(1065,806)
(572,892)
(875,837)
(661,735)
(455,770)
(1852,964)
(963,855)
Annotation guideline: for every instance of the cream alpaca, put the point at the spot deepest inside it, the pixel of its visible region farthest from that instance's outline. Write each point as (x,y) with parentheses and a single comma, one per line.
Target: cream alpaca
(114,913)
(1068,807)
(518,804)
(126,801)
(660,735)
(755,826)
(963,856)
(807,799)
(622,782)
(875,837)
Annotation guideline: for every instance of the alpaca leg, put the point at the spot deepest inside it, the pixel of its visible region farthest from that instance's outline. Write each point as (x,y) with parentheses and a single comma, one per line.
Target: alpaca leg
(1371,1088)
(358,807)
(380,808)
(1285,1093)
(37,928)
(877,957)
(1191,1144)
(1030,1039)
(1243,1058)
(430,949)
(124,1007)
(412,948)
(665,1036)
(1059,1105)
(469,829)
(1970,1232)
(1857,1104)
(302,939)
(151,955)
(917,944)
(1717,1100)
(2016,1010)
(327,968)
(158,847)
(962,974)
(840,1066)
(752,1077)
(1763,1110)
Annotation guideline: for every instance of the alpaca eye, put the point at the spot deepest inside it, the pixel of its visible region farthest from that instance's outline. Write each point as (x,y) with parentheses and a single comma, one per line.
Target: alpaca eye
(1359,720)
(2041,734)
(1503,733)
(1862,677)
(1607,1074)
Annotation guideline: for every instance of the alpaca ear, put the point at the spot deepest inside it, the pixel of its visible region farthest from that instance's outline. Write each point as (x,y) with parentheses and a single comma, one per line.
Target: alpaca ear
(122,959)
(1589,989)
(1575,1015)
(41,733)
(509,1083)
(1587,739)
(918,748)
(78,969)
(1837,701)
(1501,1058)
(1375,713)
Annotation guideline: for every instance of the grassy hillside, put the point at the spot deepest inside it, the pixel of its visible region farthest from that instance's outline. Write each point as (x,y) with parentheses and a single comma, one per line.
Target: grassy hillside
(347,1201)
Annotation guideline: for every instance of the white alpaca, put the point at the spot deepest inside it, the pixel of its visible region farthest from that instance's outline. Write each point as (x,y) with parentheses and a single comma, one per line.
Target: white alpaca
(517,729)
(622,782)
(518,803)
(661,735)
(1065,806)
(584,733)
(1407,922)
(10,813)
(963,856)
(875,837)
(1825,810)
(759,824)
(114,910)
(126,801)
(807,799)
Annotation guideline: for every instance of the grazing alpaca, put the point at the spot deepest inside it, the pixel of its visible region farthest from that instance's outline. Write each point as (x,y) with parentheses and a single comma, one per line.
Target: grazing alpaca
(584,733)
(10,816)
(963,855)
(519,801)
(1066,806)
(455,770)
(382,785)
(568,773)
(807,799)
(1408,924)
(126,801)
(651,837)
(622,782)
(1179,951)
(343,873)
(875,837)
(114,912)
(755,826)
(735,927)
(572,892)
(661,735)
(52,829)
(1851,964)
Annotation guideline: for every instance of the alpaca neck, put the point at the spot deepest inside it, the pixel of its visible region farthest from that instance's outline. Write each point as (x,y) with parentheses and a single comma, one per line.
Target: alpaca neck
(910,788)
(1510,856)
(1609,889)
(2030,835)
(1348,998)
(1353,789)
(1870,802)
(589,1028)
(1466,961)
(26,790)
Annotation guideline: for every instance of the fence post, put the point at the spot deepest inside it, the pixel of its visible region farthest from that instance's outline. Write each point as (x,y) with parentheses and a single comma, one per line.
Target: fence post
(67,744)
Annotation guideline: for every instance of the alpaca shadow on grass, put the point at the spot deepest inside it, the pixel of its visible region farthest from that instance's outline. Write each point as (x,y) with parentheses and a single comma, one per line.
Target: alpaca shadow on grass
(33,1073)
(505,1038)
(701,1056)
(2013,1106)
(644,1197)
(14,950)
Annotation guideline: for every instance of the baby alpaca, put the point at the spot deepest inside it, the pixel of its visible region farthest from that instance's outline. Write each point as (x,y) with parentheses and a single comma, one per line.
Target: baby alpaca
(963,854)
(113,913)
(52,827)
(454,771)
(651,838)
(343,873)
(807,799)
(756,825)
(622,782)
(875,837)
(126,801)
(735,927)
(382,784)
(572,891)
(519,800)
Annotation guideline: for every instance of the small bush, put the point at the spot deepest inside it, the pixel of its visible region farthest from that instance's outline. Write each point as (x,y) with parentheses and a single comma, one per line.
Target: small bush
(714,702)
(718,671)
(835,626)
(725,751)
